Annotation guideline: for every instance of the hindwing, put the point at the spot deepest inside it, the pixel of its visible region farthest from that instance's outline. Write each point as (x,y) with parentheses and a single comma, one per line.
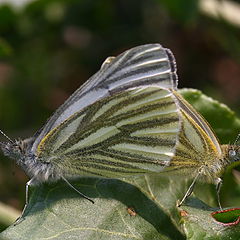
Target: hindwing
(132,132)
(197,144)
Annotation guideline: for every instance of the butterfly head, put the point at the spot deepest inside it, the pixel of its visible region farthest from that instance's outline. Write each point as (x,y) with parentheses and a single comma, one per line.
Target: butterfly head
(13,149)
(234,154)
(234,151)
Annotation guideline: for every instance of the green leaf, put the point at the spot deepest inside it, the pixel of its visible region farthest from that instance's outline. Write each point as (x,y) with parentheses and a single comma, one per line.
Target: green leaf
(55,211)
(199,223)
(221,118)
(227,217)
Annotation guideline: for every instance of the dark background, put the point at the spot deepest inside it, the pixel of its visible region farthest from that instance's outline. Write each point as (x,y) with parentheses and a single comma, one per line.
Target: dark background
(49,48)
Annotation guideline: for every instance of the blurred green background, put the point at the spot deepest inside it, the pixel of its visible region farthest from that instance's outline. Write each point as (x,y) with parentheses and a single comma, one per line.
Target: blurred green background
(50,47)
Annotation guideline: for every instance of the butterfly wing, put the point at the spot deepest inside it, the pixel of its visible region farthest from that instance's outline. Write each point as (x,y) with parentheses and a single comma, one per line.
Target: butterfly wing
(129,133)
(197,144)
(144,65)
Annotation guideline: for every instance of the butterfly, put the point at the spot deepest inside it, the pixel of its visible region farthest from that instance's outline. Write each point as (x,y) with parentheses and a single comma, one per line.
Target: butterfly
(128,119)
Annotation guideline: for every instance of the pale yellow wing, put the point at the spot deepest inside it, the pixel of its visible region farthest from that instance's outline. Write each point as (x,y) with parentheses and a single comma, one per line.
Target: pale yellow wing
(197,144)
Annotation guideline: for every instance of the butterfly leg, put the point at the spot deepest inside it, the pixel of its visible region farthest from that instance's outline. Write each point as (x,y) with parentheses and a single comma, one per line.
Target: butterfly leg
(190,189)
(219,182)
(21,218)
(81,194)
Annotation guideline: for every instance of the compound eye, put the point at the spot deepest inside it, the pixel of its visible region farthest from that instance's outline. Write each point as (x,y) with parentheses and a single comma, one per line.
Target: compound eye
(232,153)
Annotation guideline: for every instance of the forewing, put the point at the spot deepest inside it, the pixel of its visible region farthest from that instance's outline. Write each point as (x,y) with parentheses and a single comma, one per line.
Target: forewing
(132,132)
(144,65)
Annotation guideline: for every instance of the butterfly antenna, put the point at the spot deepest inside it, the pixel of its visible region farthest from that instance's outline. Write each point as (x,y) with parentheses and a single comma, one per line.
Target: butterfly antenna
(8,138)
(238,136)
